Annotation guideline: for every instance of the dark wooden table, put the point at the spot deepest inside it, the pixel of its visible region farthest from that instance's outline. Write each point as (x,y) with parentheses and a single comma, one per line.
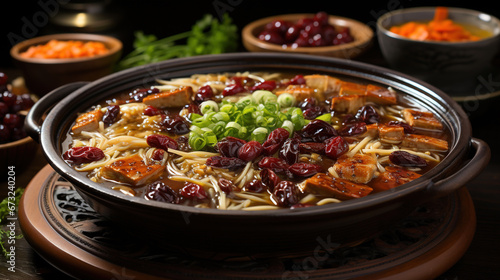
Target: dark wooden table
(481,261)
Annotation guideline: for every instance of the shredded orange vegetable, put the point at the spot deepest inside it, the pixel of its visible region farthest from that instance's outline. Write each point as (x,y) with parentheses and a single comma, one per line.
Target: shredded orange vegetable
(440,28)
(65,49)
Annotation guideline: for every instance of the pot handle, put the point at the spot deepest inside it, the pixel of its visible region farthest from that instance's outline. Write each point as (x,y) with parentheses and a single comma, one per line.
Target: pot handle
(33,121)
(467,172)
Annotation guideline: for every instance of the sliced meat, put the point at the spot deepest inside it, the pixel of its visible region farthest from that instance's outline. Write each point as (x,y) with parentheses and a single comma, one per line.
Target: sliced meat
(391,134)
(328,186)
(359,168)
(348,88)
(88,121)
(371,130)
(301,92)
(393,177)
(425,143)
(421,119)
(348,104)
(172,98)
(380,95)
(323,83)
(132,170)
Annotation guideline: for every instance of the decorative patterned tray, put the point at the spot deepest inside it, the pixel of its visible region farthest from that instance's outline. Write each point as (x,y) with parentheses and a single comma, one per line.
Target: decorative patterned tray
(70,235)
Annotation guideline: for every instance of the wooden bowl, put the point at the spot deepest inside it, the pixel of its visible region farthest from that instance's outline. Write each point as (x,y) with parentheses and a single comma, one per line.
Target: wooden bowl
(43,75)
(16,156)
(450,66)
(362,34)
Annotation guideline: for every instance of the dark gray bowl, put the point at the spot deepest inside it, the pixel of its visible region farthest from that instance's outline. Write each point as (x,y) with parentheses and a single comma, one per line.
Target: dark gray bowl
(449,66)
(276,232)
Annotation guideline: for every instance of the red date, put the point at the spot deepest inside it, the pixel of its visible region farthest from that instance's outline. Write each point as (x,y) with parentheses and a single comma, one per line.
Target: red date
(79,155)
(407,127)
(275,140)
(317,131)
(112,114)
(204,93)
(286,194)
(229,146)
(230,163)
(233,89)
(192,190)
(174,124)
(250,151)
(290,150)
(352,129)
(161,142)
(269,178)
(368,115)
(159,191)
(255,186)
(226,186)
(152,111)
(303,169)
(406,159)
(158,155)
(275,164)
(336,146)
(312,147)
(265,85)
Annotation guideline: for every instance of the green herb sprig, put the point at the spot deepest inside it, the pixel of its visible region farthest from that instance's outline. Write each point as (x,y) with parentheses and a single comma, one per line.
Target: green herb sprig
(207,36)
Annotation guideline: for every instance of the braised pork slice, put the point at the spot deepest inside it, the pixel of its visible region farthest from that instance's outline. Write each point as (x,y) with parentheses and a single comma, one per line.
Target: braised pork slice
(359,168)
(323,83)
(301,92)
(424,143)
(328,186)
(132,170)
(349,88)
(348,104)
(88,121)
(380,95)
(421,119)
(393,177)
(371,130)
(171,98)
(391,134)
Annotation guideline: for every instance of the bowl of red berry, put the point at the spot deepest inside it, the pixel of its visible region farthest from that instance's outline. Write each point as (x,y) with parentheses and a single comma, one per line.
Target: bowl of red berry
(16,147)
(316,34)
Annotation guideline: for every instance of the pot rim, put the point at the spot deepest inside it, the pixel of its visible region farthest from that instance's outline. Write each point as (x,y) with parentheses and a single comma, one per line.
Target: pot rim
(461,135)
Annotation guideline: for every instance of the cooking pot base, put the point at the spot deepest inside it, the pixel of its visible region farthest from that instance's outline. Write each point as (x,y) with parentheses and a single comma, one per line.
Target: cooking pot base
(66,232)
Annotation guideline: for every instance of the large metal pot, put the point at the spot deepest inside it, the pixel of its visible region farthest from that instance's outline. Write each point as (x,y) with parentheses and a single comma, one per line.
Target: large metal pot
(277,231)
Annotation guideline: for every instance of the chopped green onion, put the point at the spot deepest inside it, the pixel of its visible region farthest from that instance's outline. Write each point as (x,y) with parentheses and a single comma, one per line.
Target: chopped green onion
(210,137)
(232,129)
(263,96)
(220,116)
(218,128)
(259,134)
(196,141)
(288,125)
(286,100)
(252,117)
(209,105)
(228,108)
(325,117)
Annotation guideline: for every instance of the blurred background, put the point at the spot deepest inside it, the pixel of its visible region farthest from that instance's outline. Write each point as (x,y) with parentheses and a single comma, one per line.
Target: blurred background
(26,19)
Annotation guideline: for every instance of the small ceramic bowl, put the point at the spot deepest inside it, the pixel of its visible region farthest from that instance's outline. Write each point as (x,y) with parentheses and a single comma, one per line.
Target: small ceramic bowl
(451,66)
(43,75)
(362,34)
(16,156)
